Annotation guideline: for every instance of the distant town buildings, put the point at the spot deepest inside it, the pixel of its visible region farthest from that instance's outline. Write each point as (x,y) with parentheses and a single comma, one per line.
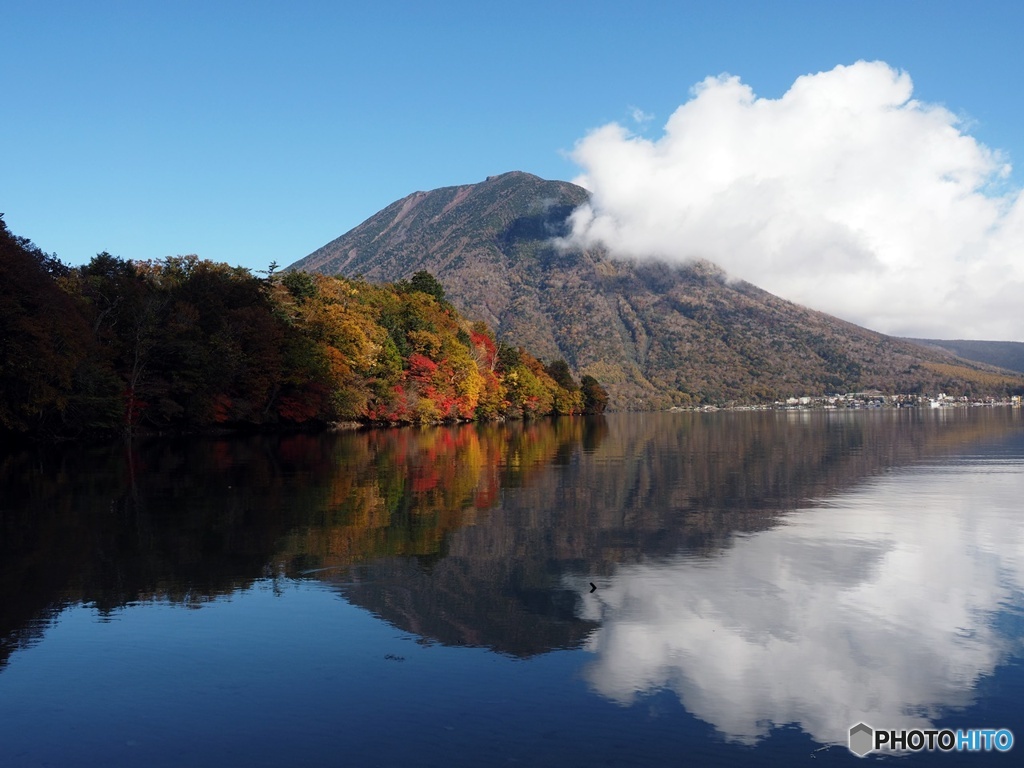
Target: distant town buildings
(871,398)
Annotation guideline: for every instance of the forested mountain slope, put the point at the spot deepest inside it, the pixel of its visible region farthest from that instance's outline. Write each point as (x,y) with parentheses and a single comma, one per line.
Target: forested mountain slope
(655,335)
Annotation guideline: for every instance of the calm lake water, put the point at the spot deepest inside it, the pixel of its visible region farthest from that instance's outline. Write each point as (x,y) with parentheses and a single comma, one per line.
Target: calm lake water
(423,597)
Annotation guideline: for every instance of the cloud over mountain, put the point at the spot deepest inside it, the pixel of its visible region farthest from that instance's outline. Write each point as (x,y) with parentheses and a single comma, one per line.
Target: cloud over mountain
(846,194)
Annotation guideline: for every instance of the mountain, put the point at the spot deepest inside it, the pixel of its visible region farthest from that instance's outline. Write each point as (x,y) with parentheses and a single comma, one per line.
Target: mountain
(1003,354)
(655,335)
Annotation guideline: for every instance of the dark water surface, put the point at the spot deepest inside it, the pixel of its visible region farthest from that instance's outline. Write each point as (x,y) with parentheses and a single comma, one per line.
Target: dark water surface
(422,597)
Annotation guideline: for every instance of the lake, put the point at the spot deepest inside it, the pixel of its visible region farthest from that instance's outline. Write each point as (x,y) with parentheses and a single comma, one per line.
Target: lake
(637,590)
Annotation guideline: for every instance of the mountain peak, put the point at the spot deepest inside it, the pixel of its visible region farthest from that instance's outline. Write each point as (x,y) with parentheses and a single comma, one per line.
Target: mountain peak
(414,232)
(509,175)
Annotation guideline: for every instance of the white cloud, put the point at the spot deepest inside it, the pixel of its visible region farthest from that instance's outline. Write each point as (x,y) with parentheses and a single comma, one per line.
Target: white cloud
(869,609)
(640,117)
(845,194)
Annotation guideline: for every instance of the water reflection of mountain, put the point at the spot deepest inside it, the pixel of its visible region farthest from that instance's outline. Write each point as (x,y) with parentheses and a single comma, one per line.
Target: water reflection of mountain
(654,486)
(888,604)
(461,535)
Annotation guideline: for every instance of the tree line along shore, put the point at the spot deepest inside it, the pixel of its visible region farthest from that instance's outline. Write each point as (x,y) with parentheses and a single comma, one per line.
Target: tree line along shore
(184,344)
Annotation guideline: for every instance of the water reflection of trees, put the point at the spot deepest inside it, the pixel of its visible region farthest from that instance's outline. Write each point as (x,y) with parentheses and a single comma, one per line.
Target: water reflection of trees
(187,521)
(460,534)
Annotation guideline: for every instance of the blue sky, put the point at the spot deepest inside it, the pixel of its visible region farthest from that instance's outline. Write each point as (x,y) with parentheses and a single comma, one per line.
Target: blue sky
(253,132)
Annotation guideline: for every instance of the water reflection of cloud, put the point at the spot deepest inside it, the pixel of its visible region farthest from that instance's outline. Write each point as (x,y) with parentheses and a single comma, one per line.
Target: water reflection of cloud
(878,607)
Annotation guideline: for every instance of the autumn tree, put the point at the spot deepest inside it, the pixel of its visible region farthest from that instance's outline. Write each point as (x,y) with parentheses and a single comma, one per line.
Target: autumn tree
(49,381)
(424,282)
(595,398)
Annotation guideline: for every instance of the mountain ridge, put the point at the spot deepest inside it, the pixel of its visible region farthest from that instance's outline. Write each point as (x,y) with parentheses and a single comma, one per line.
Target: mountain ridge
(1008,355)
(657,335)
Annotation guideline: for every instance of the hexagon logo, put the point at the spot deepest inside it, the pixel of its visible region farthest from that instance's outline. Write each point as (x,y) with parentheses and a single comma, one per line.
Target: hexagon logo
(861,739)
